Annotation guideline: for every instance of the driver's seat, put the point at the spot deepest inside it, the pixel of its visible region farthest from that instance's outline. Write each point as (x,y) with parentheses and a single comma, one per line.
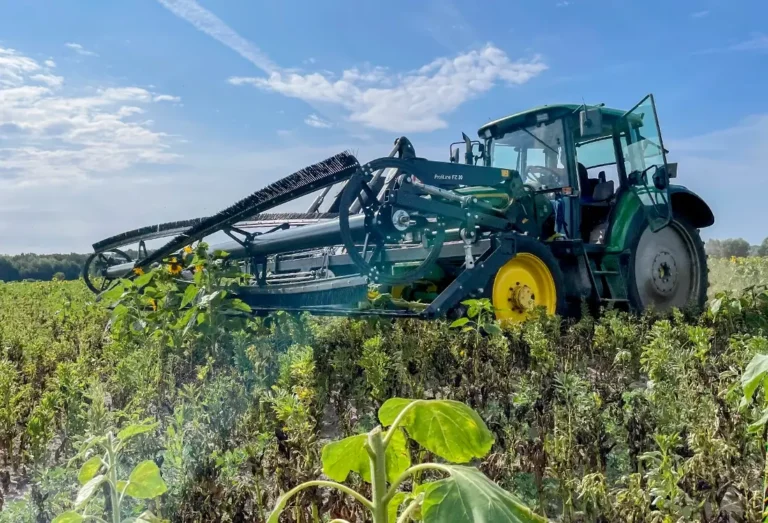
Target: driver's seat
(595,190)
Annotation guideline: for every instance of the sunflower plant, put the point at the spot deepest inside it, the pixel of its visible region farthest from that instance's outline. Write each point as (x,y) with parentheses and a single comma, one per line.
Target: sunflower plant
(191,289)
(449,430)
(101,468)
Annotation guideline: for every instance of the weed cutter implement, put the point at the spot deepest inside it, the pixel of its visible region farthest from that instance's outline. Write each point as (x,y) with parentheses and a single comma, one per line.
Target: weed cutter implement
(552,207)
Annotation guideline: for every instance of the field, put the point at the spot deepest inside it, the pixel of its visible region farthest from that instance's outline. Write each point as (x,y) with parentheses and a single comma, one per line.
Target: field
(613,419)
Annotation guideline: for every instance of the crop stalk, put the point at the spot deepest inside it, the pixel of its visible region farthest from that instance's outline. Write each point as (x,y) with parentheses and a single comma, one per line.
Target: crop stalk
(378,476)
(765,475)
(113,480)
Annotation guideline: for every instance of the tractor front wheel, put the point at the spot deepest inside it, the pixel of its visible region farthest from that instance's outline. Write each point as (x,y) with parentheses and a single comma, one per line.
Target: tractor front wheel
(531,279)
(667,268)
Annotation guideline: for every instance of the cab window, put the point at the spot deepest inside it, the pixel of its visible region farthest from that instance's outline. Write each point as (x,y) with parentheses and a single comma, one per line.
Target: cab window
(598,156)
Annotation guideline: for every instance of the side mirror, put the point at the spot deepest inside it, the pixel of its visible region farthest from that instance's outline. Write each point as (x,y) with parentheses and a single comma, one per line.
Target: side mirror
(455,155)
(672,170)
(590,121)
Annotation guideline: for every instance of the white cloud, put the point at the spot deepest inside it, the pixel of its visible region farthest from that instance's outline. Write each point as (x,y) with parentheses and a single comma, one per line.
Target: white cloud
(375,97)
(13,67)
(70,217)
(700,14)
(166,98)
(126,111)
(79,49)
(207,22)
(406,102)
(50,63)
(757,42)
(284,133)
(50,137)
(49,79)
(315,121)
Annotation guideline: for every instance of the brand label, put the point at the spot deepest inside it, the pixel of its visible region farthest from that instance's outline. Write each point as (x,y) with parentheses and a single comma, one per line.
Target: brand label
(449,177)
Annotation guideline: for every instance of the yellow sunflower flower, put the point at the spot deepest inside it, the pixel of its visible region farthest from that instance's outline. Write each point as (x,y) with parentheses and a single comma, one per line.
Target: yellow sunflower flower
(199,268)
(153,303)
(138,271)
(175,268)
(188,249)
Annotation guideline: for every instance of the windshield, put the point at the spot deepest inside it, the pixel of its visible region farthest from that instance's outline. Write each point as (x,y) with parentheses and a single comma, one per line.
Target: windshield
(536,152)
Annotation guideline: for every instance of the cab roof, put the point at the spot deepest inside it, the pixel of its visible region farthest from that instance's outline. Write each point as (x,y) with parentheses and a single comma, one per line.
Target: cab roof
(529,117)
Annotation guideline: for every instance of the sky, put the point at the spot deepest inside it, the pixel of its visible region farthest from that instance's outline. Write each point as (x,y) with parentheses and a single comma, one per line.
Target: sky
(116,115)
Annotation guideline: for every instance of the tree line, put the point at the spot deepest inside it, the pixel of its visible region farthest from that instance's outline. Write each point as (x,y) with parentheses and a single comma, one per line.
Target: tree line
(735,247)
(29,266)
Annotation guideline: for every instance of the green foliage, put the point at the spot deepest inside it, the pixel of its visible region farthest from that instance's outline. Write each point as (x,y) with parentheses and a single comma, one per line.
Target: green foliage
(466,496)
(736,247)
(733,275)
(350,455)
(583,415)
(442,427)
(447,428)
(480,317)
(101,469)
(762,250)
(43,267)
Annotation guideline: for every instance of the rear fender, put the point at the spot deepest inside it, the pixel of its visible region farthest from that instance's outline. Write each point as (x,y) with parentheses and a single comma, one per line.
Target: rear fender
(689,205)
(685,203)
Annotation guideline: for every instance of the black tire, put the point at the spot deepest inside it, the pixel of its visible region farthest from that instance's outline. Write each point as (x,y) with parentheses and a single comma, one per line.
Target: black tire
(696,295)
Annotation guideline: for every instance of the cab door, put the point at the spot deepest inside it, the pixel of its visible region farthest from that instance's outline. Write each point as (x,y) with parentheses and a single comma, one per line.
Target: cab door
(645,161)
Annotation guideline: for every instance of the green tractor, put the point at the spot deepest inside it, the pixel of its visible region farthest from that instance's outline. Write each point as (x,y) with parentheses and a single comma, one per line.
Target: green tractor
(624,235)
(552,207)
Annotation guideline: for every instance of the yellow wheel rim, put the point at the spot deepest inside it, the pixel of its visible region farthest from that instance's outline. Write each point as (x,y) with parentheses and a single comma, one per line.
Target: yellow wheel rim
(522,284)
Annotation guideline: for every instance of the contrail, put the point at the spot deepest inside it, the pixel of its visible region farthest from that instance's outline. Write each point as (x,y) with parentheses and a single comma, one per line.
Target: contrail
(210,24)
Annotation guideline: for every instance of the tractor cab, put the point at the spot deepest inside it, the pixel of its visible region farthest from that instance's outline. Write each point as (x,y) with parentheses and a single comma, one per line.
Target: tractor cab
(583,158)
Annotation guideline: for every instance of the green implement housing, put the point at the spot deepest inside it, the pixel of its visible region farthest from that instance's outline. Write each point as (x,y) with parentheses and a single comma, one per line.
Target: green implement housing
(554,207)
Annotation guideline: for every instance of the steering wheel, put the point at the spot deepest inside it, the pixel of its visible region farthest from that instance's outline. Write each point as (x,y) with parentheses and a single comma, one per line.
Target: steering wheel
(540,175)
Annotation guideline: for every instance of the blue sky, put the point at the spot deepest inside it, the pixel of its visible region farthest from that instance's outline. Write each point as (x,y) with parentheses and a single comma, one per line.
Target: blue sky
(115,115)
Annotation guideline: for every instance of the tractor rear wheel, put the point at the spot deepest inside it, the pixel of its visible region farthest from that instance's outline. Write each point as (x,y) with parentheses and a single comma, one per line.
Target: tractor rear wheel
(667,268)
(529,280)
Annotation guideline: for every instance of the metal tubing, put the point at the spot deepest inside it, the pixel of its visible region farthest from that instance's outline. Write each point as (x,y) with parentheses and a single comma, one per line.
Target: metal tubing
(437,191)
(308,237)
(319,200)
(450,195)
